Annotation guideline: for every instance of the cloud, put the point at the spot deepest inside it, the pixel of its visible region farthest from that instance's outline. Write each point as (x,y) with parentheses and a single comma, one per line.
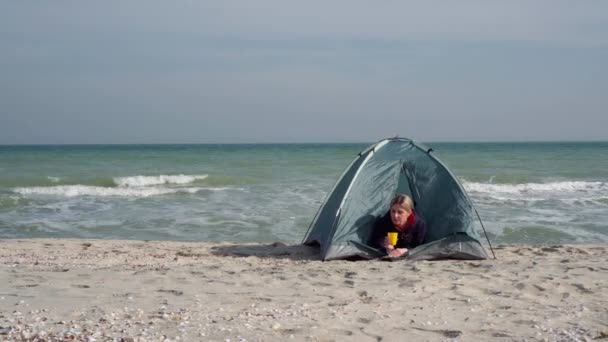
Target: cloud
(542,21)
(548,21)
(239,71)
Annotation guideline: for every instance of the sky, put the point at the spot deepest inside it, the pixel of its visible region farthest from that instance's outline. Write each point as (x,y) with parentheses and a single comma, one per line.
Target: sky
(273,71)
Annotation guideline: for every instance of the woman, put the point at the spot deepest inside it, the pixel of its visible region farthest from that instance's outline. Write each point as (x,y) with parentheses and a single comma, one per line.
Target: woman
(402,219)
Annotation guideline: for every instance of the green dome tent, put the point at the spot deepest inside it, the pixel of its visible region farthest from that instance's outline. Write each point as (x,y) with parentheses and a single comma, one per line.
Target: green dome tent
(343,225)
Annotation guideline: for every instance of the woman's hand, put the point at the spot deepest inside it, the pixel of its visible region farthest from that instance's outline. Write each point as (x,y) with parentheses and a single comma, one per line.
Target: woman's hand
(391,250)
(396,252)
(387,246)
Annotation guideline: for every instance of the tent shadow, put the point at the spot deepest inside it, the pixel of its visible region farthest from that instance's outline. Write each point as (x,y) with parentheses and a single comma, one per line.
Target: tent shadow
(276,250)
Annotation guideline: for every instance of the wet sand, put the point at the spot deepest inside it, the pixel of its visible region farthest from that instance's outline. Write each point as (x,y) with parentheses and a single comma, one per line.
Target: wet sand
(100,290)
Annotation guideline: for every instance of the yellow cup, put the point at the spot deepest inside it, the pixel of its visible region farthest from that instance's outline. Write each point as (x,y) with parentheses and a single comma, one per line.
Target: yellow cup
(392,238)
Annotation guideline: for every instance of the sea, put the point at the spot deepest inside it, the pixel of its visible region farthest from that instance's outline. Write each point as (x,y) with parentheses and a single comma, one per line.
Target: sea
(525,193)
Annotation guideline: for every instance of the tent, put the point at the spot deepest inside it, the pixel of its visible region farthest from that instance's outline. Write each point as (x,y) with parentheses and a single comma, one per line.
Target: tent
(343,225)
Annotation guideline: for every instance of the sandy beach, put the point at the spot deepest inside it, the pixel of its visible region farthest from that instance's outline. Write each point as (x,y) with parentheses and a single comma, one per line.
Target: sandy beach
(102,290)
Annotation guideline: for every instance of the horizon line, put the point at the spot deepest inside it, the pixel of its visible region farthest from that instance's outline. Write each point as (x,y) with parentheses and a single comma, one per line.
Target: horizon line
(310,142)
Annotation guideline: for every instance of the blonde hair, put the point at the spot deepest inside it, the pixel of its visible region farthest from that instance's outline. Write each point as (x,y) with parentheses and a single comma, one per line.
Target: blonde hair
(403,200)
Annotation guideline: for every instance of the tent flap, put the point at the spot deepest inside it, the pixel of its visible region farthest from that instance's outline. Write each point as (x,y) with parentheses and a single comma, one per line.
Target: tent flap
(459,246)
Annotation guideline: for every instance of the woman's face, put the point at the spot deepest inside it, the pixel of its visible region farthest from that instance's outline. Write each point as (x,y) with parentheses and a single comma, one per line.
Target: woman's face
(399,215)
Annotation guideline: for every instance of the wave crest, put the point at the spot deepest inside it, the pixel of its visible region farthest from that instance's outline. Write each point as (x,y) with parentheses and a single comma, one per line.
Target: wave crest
(88,190)
(526,188)
(143,181)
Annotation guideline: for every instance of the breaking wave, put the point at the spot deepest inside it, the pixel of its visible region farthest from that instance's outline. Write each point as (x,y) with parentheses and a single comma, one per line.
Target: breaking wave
(537,187)
(133,186)
(571,190)
(139,181)
(88,190)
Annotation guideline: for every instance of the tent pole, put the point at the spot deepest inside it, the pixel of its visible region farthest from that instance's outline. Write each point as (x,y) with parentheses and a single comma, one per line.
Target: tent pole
(328,195)
(313,221)
(484,232)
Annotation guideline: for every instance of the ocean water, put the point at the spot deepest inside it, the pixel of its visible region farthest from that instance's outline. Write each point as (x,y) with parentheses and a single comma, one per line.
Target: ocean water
(524,192)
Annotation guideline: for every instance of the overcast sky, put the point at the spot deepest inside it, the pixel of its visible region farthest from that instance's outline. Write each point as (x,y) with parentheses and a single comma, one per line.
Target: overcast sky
(135,71)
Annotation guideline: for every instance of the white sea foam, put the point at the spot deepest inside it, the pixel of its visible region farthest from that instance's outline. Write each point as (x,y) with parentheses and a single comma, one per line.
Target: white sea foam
(142,181)
(53,179)
(87,190)
(596,188)
(222,189)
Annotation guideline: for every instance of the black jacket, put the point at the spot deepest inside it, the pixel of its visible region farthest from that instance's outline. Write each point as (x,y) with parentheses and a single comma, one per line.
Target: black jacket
(412,237)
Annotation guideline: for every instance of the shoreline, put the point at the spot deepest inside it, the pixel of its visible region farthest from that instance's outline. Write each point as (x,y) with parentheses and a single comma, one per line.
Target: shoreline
(132,290)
